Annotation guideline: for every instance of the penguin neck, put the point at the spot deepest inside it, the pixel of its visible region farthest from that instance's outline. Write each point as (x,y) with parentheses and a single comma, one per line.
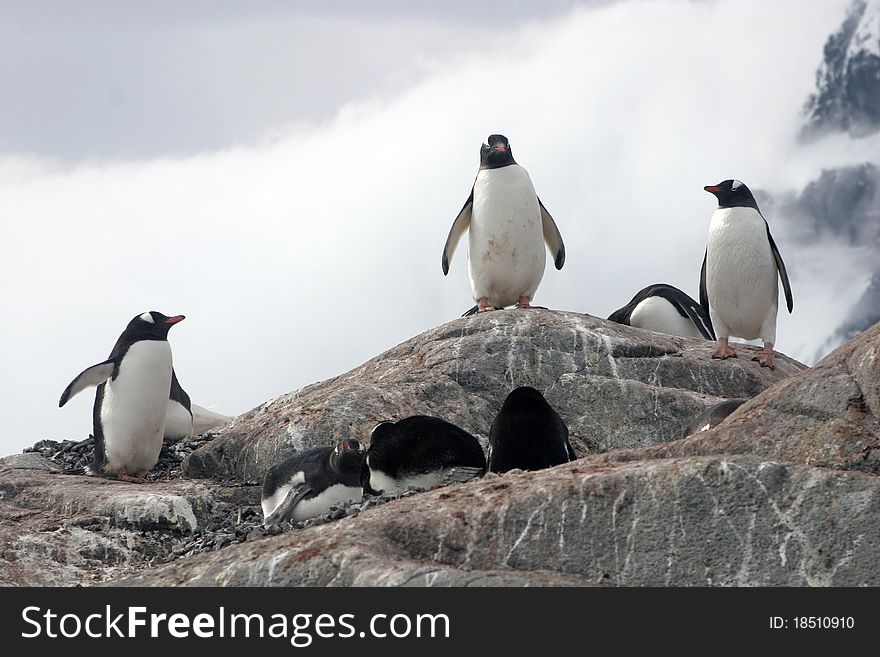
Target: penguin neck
(497,165)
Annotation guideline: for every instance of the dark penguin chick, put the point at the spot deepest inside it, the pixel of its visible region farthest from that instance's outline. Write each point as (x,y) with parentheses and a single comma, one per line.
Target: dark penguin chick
(528,434)
(714,415)
(420,451)
(739,282)
(131,403)
(308,483)
(507,228)
(665,309)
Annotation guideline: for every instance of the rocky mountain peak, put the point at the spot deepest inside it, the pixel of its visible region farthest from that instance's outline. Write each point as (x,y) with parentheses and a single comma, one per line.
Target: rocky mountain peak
(847,96)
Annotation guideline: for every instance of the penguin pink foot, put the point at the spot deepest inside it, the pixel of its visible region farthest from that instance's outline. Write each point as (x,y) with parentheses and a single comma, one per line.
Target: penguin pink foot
(483,305)
(724,350)
(766,358)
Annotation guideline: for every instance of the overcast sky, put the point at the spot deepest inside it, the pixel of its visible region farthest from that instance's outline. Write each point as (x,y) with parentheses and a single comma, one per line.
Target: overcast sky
(285,176)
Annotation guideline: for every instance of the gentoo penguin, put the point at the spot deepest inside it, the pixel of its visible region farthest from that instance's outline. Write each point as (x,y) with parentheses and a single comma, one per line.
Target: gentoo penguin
(310,482)
(184,418)
(713,415)
(508,226)
(528,434)
(134,386)
(738,283)
(420,451)
(665,309)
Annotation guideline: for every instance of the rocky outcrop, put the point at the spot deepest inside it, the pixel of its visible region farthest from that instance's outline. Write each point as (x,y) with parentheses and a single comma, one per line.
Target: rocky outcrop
(784,491)
(688,522)
(615,386)
(827,416)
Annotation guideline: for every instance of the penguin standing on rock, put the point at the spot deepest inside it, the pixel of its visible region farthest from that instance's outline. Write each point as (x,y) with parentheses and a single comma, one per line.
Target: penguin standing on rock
(508,226)
(134,387)
(420,451)
(528,434)
(308,483)
(738,283)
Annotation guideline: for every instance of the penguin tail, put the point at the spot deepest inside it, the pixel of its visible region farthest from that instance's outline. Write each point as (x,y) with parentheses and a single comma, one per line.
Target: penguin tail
(471,311)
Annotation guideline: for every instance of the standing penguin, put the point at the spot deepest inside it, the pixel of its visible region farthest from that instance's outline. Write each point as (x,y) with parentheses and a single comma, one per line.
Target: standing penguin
(420,451)
(134,387)
(308,483)
(665,309)
(528,434)
(508,226)
(738,283)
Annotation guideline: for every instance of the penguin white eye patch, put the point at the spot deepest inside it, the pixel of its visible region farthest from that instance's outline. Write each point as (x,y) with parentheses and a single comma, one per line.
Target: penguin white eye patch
(736,185)
(147,317)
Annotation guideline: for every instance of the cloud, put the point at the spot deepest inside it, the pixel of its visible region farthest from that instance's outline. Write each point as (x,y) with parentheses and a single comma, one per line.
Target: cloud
(304,255)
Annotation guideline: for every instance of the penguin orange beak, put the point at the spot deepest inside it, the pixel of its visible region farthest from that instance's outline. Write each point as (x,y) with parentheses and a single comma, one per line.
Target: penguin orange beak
(500,148)
(714,189)
(175,319)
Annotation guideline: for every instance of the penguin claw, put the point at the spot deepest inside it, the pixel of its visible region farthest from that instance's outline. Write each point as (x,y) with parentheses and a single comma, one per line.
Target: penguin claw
(766,360)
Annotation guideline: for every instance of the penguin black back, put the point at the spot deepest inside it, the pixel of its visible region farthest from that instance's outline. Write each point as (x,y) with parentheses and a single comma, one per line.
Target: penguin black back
(528,434)
(420,451)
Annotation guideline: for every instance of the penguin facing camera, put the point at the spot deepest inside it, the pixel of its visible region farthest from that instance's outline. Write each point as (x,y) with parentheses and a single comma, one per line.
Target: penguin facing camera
(507,227)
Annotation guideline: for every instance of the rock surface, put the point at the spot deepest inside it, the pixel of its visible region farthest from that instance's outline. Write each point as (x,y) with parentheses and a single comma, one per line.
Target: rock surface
(615,386)
(745,503)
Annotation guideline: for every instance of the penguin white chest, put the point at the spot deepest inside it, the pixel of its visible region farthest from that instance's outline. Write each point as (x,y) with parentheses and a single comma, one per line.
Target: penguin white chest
(741,275)
(134,407)
(506,242)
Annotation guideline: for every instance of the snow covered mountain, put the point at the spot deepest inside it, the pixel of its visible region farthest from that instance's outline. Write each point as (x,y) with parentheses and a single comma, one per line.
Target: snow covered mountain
(847,96)
(835,217)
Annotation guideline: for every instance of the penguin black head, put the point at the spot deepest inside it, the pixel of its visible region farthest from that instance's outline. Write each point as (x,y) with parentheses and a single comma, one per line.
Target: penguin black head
(347,457)
(496,153)
(732,194)
(150,325)
(525,395)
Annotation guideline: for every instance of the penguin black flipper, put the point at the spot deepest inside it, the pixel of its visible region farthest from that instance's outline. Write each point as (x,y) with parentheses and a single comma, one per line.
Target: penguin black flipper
(91,376)
(459,226)
(552,237)
(704,292)
(178,394)
(571,455)
(786,285)
(284,511)
(459,474)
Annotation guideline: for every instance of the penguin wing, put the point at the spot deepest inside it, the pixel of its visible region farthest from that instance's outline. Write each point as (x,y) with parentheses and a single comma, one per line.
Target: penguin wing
(704,293)
(689,308)
(786,285)
(284,511)
(552,237)
(461,224)
(568,448)
(91,376)
(459,474)
(178,394)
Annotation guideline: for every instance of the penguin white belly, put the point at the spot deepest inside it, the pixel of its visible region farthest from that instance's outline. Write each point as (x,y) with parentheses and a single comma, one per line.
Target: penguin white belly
(178,421)
(506,239)
(390,486)
(657,314)
(314,506)
(134,407)
(741,276)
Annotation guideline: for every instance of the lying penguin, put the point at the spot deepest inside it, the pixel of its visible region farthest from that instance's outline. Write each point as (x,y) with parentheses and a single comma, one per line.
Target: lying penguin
(308,483)
(665,309)
(422,452)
